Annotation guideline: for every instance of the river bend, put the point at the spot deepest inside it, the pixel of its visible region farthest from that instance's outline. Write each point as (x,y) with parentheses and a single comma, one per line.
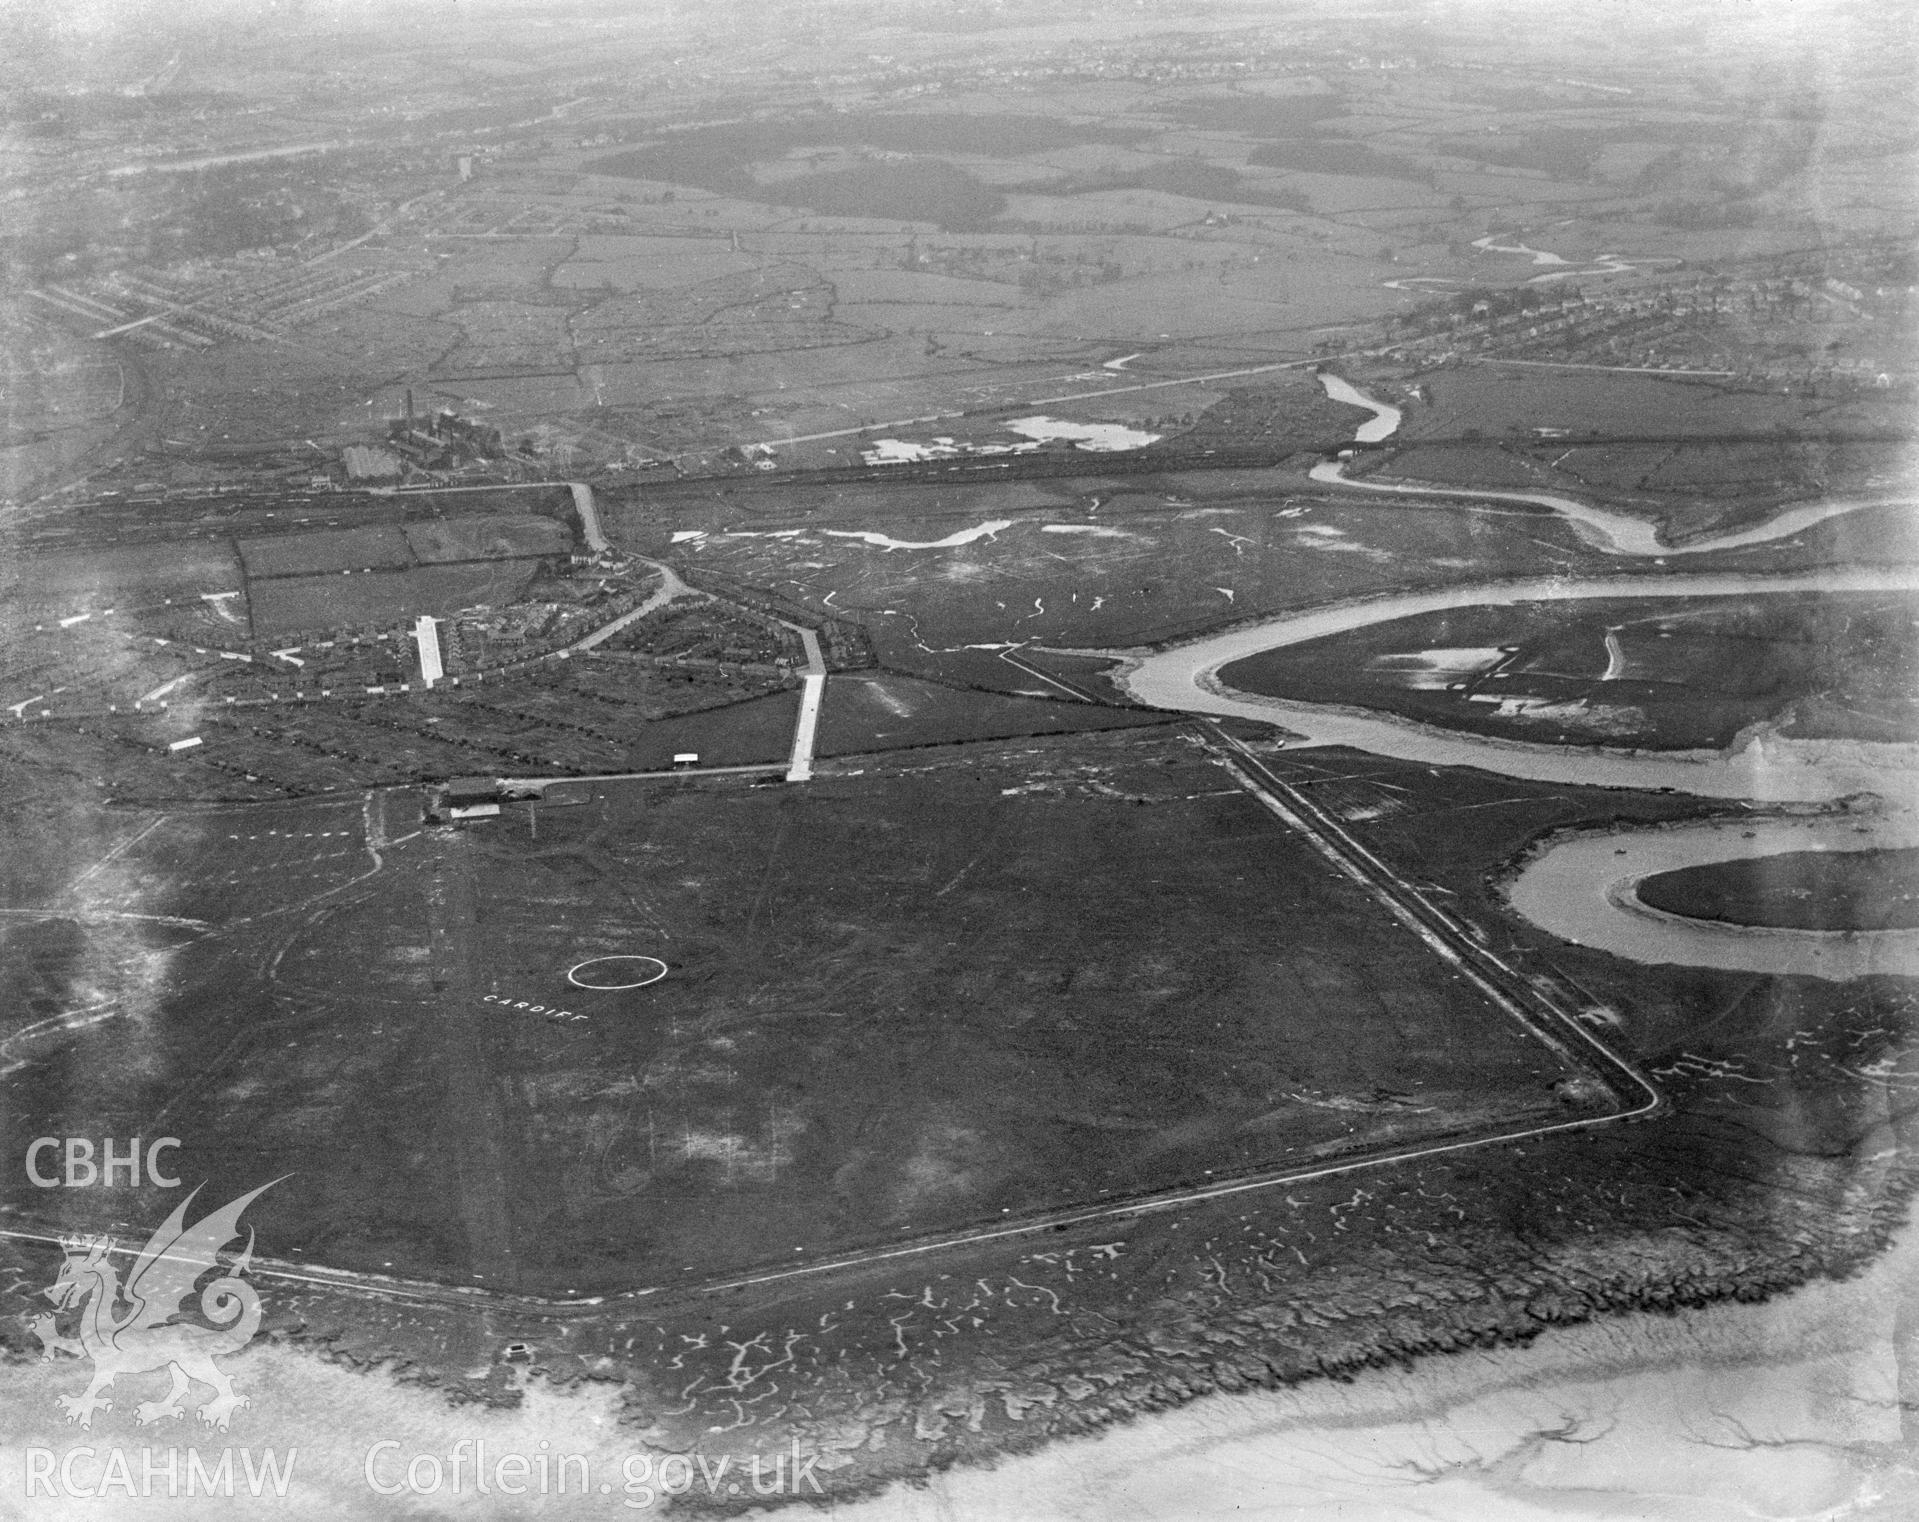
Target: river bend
(1582,888)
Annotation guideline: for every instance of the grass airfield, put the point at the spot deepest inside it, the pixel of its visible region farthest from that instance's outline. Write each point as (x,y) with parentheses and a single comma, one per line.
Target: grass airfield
(918,999)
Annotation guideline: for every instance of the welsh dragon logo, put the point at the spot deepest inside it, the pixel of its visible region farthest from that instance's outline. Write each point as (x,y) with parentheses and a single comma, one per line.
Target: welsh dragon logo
(134,1328)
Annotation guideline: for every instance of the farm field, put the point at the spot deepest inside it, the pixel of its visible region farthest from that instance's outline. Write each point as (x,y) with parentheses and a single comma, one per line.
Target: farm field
(502,537)
(1076,968)
(676,273)
(433,541)
(342,550)
(869,712)
(1469,465)
(305,604)
(1697,488)
(306,582)
(1650,674)
(973,356)
(1688,489)
(586,716)
(134,576)
(1508,401)
(641,287)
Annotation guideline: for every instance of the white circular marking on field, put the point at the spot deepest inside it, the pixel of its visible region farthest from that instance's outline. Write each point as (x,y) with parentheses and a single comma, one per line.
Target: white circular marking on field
(638,971)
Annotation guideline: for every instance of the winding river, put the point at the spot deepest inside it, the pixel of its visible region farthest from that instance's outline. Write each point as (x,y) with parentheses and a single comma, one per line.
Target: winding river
(1585,889)
(1582,888)
(1615,533)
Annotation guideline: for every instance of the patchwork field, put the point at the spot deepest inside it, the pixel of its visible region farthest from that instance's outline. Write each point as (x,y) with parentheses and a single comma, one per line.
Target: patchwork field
(383,574)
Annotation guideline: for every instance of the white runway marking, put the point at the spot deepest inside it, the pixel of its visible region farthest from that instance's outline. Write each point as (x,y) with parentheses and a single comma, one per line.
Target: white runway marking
(638,972)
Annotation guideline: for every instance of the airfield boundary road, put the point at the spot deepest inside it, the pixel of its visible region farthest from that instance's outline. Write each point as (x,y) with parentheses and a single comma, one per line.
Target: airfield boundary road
(1526,1001)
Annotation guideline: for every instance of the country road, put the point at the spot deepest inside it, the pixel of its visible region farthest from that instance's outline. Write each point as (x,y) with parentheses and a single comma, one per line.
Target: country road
(1509,990)
(812,694)
(589,510)
(671,590)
